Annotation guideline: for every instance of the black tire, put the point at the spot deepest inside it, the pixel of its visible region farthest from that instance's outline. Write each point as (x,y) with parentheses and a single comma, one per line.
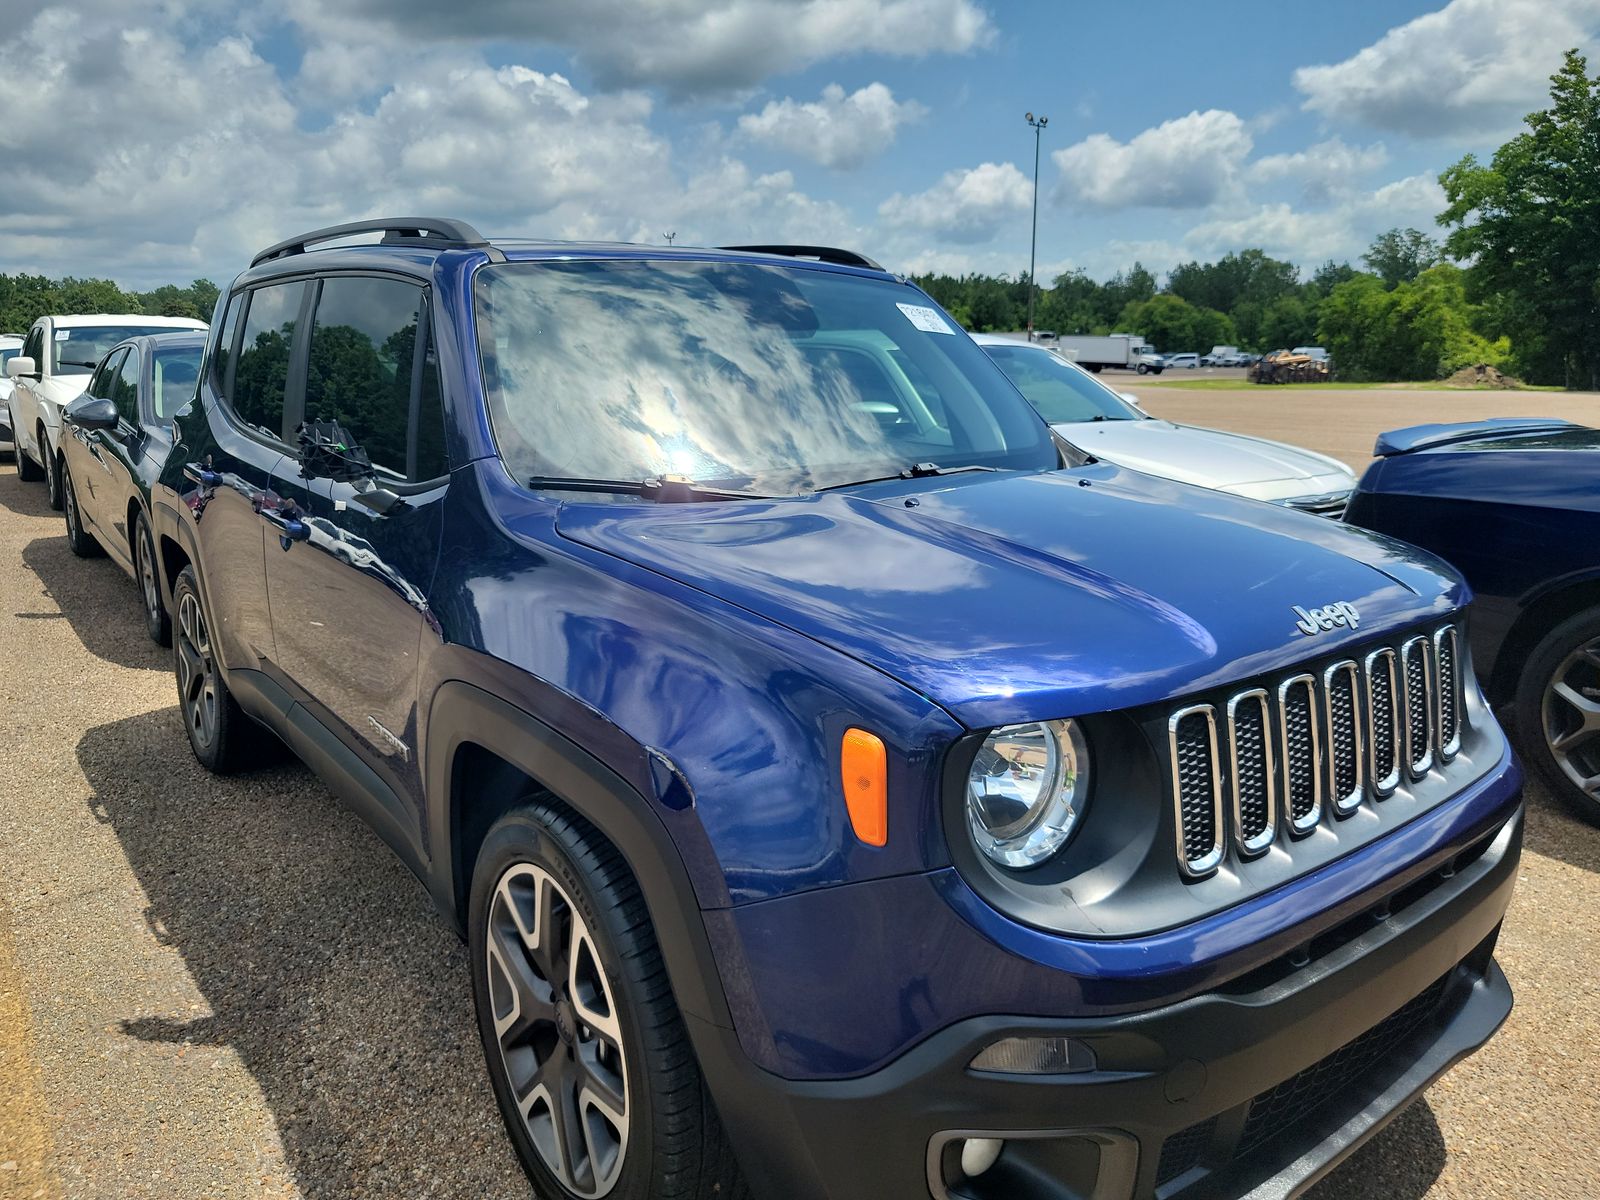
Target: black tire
(222,737)
(79,540)
(52,472)
(27,470)
(1569,655)
(673,1146)
(147,574)
(1142,368)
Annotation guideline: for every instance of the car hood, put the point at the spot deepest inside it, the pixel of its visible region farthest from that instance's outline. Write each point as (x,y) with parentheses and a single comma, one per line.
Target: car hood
(1231,462)
(1013,597)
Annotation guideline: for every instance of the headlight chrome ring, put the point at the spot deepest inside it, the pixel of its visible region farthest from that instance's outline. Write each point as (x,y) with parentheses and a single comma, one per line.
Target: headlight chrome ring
(1026,791)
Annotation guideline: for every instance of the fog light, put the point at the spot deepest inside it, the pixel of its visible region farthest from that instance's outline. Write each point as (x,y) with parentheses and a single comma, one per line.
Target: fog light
(979,1154)
(1035,1056)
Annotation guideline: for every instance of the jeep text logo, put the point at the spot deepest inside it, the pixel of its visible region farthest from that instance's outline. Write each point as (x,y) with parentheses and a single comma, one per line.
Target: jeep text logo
(1318,620)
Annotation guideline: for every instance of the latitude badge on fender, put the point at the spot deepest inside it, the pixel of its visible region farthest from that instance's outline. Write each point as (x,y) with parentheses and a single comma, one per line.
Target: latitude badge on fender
(1320,620)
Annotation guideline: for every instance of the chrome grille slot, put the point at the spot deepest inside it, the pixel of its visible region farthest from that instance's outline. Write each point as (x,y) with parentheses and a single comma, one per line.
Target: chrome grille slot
(1383,721)
(1254,782)
(1196,789)
(1342,698)
(1302,752)
(1446,649)
(1416,669)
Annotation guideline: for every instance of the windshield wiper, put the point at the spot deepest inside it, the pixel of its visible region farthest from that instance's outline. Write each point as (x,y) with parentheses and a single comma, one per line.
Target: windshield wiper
(923,470)
(667,489)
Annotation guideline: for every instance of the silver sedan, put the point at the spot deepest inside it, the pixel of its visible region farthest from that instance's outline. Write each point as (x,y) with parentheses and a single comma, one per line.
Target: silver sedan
(1106,424)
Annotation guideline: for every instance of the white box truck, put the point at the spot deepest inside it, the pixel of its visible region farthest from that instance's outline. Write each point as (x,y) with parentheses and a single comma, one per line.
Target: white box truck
(1124,350)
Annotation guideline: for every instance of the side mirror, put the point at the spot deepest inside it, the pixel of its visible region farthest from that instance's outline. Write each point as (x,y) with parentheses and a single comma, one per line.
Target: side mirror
(1131,399)
(20,365)
(90,412)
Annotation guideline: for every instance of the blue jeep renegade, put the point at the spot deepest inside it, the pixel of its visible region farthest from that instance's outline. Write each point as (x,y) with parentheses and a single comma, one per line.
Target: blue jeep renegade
(846,789)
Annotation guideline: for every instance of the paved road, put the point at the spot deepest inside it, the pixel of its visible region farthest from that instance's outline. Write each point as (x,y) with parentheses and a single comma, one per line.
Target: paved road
(229,988)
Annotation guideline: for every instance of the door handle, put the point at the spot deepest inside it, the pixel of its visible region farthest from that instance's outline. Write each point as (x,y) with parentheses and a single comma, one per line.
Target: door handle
(291,528)
(195,473)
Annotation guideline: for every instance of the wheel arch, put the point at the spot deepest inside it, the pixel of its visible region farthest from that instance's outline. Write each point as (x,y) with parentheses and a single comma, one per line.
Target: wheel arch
(482,753)
(175,549)
(1539,614)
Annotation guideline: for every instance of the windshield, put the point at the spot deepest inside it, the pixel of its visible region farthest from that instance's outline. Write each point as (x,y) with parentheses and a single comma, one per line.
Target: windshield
(78,349)
(760,378)
(1062,393)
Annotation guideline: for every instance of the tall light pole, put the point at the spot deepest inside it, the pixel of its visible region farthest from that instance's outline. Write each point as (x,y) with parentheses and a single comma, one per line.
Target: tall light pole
(1037,124)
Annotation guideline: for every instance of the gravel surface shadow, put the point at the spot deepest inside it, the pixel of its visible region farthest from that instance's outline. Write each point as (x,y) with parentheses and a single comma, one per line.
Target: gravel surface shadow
(321,960)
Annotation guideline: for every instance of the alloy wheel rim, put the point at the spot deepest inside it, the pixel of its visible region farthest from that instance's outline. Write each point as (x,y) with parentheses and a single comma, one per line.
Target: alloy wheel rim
(557,1030)
(147,571)
(197,671)
(1572,718)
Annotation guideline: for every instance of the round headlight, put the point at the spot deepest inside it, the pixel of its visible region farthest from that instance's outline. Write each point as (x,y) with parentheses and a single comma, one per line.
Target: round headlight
(1027,790)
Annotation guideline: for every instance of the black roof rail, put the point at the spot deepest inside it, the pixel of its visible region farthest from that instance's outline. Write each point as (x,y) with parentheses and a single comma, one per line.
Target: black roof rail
(437,232)
(827,254)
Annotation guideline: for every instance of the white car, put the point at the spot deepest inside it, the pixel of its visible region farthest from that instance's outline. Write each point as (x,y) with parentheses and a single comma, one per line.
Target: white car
(57,358)
(10,347)
(1111,426)
(1190,361)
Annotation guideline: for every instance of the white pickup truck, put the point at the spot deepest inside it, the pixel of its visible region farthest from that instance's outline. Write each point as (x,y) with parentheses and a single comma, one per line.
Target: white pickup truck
(58,356)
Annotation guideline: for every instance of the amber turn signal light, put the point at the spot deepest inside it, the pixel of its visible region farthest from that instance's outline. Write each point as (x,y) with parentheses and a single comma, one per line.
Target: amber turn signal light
(864,768)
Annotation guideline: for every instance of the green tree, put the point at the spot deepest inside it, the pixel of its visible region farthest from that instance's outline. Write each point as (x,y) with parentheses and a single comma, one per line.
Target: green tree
(1421,330)
(1246,275)
(1400,255)
(1171,323)
(1530,224)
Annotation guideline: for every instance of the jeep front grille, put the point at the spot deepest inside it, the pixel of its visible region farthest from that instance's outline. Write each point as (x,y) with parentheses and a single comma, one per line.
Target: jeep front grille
(1289,755)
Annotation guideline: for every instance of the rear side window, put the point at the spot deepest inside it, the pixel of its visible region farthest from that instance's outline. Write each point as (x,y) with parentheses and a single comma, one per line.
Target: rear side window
(125,391)
(366,370)
(174,375)
(261,374)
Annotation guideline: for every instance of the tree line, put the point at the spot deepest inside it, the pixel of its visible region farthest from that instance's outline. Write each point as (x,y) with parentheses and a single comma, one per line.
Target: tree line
(26,298)
(1515,282)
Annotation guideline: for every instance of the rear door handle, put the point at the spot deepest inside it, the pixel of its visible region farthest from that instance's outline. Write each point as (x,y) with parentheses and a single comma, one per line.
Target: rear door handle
(290,526)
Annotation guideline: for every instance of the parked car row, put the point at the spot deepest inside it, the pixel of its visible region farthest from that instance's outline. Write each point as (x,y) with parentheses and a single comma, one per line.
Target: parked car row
(848,784)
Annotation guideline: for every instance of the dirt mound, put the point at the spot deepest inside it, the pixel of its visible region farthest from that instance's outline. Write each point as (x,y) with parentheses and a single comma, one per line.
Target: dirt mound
(1483,376)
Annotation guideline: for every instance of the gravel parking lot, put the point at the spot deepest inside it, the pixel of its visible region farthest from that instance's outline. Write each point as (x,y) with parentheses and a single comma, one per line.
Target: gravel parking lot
(229,988)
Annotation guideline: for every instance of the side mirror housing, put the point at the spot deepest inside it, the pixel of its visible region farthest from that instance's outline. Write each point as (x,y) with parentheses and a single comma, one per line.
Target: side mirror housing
(90,412)
(20,365)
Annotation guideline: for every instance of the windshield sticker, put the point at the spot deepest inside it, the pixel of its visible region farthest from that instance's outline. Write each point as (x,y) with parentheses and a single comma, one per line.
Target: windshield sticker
(926,319)
(63,334)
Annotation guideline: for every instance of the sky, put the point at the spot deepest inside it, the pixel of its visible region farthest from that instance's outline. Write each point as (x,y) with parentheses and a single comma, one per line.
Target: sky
(157,141)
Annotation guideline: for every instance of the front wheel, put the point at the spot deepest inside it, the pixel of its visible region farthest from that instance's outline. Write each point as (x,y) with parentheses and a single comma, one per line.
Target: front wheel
(1143,369)
(157,621)
(1557,712)
(79,540)
(27,470)
(222,737)
(588,1056)
(52,473)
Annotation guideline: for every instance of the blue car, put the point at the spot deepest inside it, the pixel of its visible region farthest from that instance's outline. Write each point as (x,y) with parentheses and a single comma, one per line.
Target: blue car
(1515,504)
(845,787)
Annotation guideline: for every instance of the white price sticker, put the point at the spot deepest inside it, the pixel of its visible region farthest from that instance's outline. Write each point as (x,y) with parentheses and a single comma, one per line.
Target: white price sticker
(63,334)
(926,319)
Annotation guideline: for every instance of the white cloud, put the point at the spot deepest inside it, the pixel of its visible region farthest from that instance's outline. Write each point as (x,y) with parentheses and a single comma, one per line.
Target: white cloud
(1340,232)
(686,46)
(840,131)
(965,206)
(1323,171)
(134,156)
(1188,162)
(1472,69)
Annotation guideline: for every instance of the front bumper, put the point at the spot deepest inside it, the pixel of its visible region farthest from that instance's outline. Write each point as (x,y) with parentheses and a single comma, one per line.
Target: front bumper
(1256,1088)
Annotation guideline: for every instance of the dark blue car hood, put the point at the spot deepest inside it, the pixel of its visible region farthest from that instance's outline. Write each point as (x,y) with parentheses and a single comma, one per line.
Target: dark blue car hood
(1010,597)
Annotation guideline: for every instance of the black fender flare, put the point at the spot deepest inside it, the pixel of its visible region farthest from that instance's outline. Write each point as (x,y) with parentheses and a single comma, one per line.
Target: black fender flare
(460,714)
